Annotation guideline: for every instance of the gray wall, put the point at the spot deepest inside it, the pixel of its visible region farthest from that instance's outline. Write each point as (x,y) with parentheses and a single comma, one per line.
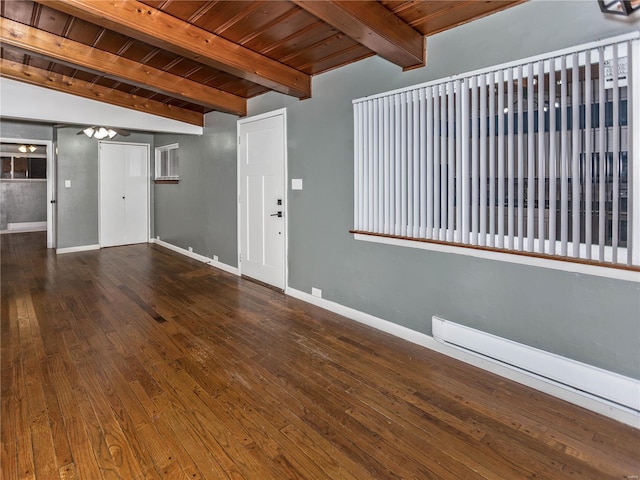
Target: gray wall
(590,319)
(200,211)
(28,130)
(78,205)
(23,200)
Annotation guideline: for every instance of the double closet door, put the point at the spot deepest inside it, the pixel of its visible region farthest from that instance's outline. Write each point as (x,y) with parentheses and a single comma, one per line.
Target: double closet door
(124,194)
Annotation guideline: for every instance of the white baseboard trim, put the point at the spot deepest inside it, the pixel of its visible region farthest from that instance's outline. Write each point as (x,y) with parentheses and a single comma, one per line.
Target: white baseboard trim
(26,227)
(81,248)
(196,256)
(572,395)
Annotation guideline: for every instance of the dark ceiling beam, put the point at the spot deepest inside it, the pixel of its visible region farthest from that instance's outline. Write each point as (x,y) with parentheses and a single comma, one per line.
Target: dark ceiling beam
(66,84)
(137,20)
(374,26)
(118,68)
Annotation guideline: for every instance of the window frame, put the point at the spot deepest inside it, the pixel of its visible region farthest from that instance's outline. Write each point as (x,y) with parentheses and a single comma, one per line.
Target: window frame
(158,171)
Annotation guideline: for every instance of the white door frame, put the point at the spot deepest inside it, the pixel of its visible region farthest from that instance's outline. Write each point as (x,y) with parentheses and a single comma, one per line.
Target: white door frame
(51,185)
(280,112)
(148,184)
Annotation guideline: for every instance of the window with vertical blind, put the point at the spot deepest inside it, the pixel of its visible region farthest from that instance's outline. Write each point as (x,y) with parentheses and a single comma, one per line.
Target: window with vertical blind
(539,156)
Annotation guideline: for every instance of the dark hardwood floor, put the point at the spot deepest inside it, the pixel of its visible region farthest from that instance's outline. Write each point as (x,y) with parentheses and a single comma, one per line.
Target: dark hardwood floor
(135,362)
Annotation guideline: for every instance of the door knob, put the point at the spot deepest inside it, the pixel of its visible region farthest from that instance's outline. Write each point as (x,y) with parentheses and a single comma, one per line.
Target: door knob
(278,214)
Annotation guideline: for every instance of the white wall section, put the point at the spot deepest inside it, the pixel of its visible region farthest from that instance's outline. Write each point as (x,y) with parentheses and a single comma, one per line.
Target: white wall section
(45,105)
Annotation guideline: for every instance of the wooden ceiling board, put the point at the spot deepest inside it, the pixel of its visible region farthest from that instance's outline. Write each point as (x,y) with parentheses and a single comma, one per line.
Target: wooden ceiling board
(19,10)
(182,9)
(223,15)
(12,54)
(285,34)
(262,16)
(312,36)
(417,14)
(460,15)
(83,32)
(161,59)
(244,88)
(49,20)
(433,16)
(322,50)
(110,41)
(347,56)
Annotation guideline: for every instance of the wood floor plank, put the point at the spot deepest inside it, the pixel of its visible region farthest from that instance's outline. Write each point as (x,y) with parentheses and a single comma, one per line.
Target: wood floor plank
(137,363)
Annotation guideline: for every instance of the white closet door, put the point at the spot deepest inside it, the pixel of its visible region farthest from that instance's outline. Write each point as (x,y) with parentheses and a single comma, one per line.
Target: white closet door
(124,183)
(136,180)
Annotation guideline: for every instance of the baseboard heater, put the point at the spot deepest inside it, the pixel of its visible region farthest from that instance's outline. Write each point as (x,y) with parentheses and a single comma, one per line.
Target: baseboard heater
(609,386)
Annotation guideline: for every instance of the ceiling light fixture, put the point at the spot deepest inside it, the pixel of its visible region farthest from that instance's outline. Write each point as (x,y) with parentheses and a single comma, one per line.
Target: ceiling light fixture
(24,148)
(619,7)
(99,132)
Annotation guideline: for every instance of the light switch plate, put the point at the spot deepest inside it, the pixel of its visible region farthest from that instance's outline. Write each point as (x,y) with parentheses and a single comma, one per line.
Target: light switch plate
(67,184)
(296,184)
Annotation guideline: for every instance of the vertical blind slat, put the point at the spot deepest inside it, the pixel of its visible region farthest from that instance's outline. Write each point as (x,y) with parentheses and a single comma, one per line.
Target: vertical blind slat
(482,240)
(451,161)
(409,166)
(380,166)
(510,159)
(520,157)
(564,187)
(492,162)
(416,165)
(631,155)
(462,111)
(575,157)
(357,129)
(588,175)
(403,164)
(423,165)
(436,163)
(387,165)
(367,156)
(398,168)
(443,164)
(474,161)
(530,137)
(464,173)
(541,166)
(602,158)
(615,159)
(392,165)
(376,152)
(501,135)
(430,145)
(553,173)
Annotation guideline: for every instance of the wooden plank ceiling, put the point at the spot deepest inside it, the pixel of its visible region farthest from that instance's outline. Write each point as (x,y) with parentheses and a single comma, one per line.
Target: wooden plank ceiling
(181,59)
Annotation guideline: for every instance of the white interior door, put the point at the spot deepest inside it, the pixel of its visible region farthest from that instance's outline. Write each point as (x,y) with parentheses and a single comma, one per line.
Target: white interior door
(262,226)
(124,184)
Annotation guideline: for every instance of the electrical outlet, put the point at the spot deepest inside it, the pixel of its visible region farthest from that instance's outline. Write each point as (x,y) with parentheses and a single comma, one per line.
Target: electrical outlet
(191,249)
(157,237)
(316,292)
(215,258)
